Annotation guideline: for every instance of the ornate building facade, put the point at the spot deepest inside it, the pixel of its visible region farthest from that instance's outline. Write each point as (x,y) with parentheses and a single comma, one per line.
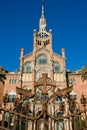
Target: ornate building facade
(42,60)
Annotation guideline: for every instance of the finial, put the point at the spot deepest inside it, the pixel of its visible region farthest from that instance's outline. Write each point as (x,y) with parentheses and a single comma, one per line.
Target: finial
(42,23)
(43,2)
(42,8)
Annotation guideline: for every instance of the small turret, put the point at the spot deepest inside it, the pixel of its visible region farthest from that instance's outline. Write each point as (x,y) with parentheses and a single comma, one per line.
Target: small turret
(21,59)
(22,52)
(63,52)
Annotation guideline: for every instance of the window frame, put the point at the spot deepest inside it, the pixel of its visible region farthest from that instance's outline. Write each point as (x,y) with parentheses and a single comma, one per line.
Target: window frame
(42,60)
(27,67)
(56,67)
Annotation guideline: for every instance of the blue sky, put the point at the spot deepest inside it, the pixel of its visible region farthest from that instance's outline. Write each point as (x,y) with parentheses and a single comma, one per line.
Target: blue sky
(67,19)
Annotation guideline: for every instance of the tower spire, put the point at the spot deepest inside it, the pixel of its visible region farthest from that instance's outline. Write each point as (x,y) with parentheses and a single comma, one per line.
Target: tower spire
(42,23)
(42,15)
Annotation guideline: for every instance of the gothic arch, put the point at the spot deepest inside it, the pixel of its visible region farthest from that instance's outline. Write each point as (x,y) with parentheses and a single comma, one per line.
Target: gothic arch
(56,67)
(27,67)
(42,59)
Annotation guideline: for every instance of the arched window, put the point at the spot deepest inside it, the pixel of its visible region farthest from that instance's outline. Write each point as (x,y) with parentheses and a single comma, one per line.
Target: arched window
(28,67)
(16,81)
(57,67)
(42,59)
(10,81)
(11,96)
(13,81)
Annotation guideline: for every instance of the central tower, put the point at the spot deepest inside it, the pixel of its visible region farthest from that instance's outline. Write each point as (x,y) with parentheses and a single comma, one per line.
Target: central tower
(42,38)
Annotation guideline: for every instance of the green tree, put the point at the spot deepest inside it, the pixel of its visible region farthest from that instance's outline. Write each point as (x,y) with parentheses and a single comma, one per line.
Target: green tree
(2,76)
(84,73)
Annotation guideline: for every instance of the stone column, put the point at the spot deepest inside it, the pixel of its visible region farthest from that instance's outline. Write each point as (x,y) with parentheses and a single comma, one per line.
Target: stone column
(34,40)
(50,36)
